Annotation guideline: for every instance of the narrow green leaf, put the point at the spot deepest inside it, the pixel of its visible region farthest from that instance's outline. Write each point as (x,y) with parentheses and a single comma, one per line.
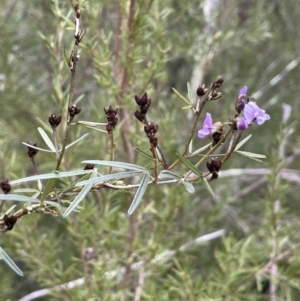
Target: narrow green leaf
(139,193)
(115,164)
(38,148)
(166,174)
(18,198)
(200,150)
(113,176)
(72,185)
(209,187)
(4,256)
(186,107)
(76,141)
(251,155)
(82,194)
(8,211)
(76,101)
(189,165)
(53,175)
(67,57)
(143,153)
(188,186)
(53,204)
(181,96)
(46,139)
(190,94)
(95,129)
(26,190)
(240,144)
(47,189)
(90,124)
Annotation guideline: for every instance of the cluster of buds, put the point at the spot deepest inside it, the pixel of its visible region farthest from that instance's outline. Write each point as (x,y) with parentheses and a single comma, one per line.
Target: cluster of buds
(73,111)
(214,166)
(201,90)
(144,103)
(88,166)
(5,186)
(9,221)
(32,151)
(112,118)
(54,120)
(151,129)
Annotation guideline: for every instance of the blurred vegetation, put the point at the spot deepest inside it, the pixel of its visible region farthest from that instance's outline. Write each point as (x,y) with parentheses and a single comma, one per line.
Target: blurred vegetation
(131,47)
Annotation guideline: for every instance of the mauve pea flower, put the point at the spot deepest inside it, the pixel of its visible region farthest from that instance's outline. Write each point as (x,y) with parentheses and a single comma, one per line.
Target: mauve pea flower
(242,124)
(252,112)
(243,92)
(241,99)
(207,127)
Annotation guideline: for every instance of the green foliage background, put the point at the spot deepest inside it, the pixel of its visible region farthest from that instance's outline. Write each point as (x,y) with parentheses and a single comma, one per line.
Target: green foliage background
(252,42)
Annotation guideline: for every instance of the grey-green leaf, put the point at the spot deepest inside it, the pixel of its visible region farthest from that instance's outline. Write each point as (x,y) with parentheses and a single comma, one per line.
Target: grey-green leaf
(208,187)
(38,148)
(190,94)
(143,153)
(4,256)
(200,150)
(18,198)
(240,144)
(113,176)
(181,96)
(139,193)
(76,141)
(82,194)
(166,174)
(188,186)
(46,139)
(189,165)
(251,155)
(115,164)
(53,175)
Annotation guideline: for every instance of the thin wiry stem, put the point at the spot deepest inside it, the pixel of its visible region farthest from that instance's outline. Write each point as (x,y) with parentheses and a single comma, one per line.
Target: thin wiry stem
(73,62)
(112,149)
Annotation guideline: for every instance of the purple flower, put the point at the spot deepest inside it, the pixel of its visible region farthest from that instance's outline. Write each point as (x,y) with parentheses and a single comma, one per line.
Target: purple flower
(207,127)
(241,99)
(242,124)
(252,112)
(243,92)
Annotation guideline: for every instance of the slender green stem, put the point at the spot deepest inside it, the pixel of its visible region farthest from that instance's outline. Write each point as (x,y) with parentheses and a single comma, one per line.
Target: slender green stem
(196,119)
(153,151)
(55,143)
(222,140)
(71,95)
(232,147)
(164,161)
(112,149)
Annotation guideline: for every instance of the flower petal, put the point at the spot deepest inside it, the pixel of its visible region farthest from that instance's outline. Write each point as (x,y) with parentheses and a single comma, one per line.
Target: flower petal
(203,132)
(207,127)
(242,124)
(207,123)
(243,91)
